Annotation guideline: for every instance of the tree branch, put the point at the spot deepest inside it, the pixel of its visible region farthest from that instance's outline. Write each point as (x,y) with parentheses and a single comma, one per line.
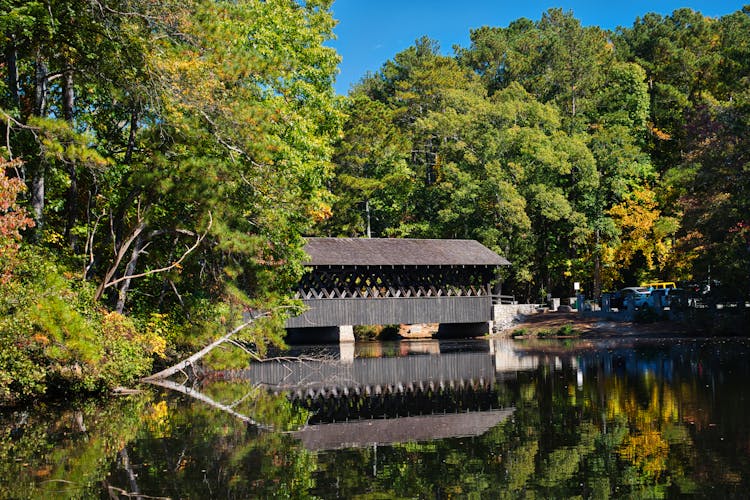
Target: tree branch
(198,355)
(118,258)
(167,268)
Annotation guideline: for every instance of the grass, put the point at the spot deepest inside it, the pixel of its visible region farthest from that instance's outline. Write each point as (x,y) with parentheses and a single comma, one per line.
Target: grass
(563,331)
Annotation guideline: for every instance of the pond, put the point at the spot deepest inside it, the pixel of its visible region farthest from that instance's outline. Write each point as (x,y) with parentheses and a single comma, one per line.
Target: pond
(411,419)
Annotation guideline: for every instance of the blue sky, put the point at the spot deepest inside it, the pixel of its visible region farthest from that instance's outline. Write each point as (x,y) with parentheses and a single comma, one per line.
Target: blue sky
(372,31)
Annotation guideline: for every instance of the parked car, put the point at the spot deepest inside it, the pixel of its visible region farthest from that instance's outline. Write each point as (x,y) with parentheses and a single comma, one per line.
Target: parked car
(680,298)
(663,297)
(659,285)
(618,299)
(638,298)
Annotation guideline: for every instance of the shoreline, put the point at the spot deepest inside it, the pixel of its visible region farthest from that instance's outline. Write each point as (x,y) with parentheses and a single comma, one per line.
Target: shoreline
(592,325)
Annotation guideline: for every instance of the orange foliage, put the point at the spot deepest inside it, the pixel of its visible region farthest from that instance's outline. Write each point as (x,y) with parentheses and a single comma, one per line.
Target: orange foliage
(13,219)
(659,134)
(321,212)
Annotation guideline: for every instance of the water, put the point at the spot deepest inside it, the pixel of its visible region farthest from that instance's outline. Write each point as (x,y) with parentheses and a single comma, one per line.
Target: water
(428,419)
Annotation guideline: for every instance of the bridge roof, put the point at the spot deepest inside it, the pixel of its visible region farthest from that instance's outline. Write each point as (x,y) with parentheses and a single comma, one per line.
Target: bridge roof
(399,252)
(380,431)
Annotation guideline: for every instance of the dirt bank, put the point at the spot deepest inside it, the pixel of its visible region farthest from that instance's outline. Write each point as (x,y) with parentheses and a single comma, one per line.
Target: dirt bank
(593,325)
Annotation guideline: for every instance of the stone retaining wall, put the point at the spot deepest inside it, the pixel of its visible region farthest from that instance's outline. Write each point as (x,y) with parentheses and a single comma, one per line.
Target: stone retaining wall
(506,315)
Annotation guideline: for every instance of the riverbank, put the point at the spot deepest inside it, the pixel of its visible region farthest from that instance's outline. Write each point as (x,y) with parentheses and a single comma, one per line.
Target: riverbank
(594,325)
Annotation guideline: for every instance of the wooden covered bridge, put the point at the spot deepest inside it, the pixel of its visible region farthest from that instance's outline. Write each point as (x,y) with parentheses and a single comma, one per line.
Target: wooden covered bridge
(364,281)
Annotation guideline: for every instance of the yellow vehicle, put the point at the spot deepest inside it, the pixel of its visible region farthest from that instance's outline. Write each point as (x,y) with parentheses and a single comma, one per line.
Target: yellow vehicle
(659,285)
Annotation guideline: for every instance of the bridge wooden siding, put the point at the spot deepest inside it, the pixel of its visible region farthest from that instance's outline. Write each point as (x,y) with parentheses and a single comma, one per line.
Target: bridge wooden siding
(363,281)
(389,311)
(307,377)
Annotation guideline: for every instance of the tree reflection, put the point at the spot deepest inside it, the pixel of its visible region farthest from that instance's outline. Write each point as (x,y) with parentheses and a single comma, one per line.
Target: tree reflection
(51,452)
(634,421)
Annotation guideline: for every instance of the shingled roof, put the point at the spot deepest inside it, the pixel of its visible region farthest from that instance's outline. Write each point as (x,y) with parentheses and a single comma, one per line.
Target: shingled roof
(399,252)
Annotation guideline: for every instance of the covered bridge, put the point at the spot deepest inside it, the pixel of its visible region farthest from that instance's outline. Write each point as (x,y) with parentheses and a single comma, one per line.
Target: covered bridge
(373,281)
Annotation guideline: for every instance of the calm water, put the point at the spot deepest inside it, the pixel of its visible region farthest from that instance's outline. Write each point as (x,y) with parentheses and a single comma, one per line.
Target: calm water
(478,419)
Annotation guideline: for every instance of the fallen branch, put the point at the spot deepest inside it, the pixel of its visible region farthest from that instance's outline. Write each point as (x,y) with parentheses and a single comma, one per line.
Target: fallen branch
(168,372)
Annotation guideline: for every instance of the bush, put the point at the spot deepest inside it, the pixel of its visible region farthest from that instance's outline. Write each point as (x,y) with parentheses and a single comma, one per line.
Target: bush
(563,331)
(53,335)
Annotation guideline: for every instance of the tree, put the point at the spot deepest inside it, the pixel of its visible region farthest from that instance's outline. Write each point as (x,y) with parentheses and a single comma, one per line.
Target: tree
(712,186)
(678,53)
(373,181)
(501,170)
(175,152)
(600,100)
(192,101)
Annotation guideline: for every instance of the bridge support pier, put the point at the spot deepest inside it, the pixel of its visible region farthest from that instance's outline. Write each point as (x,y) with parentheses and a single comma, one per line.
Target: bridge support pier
(464,330)
(346,333)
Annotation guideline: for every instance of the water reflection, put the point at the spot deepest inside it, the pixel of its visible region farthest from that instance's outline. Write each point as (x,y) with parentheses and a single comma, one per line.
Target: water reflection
(592,419)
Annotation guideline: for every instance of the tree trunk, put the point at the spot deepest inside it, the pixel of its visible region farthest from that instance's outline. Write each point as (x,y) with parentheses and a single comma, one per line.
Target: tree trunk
(38,173)
(11,62)
(40,89)
(120,254)
(573,105)
(211,402)
(132,476)
(122,208)
(131,136)
(71,202)
(168,372)
(37,194)
(68,96)
(129,270)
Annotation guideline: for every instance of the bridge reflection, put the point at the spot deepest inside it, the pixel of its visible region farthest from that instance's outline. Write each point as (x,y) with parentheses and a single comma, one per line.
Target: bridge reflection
(365,433)
(371,394)
(381,393)
(382,368)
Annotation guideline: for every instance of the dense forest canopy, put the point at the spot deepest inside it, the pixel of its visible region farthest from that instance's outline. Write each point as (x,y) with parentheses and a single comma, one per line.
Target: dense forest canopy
(162,161)
(174,153)
(607,158)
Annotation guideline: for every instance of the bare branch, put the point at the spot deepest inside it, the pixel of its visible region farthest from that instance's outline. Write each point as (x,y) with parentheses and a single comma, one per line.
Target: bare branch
(118,258)
(18,124)
(231,147)
(106,8)
(90,243)
(166,268)
(122,493)
(179,297)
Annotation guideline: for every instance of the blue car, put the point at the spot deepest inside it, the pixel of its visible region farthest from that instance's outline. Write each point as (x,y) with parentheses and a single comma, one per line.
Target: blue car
(638,297)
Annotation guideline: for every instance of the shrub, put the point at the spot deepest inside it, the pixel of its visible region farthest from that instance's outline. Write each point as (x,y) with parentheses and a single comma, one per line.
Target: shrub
(13,220)
(54,336)
(390,332)
(563,331)
(521,332)
(567,331)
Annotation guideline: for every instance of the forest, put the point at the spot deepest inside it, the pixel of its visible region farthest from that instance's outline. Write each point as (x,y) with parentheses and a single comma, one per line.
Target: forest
(162,163)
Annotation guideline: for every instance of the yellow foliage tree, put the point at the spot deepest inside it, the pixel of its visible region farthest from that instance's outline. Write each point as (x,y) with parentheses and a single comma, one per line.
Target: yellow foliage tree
(643,230)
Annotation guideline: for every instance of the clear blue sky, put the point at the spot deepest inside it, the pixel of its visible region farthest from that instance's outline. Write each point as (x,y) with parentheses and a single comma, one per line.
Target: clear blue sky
(370,32)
